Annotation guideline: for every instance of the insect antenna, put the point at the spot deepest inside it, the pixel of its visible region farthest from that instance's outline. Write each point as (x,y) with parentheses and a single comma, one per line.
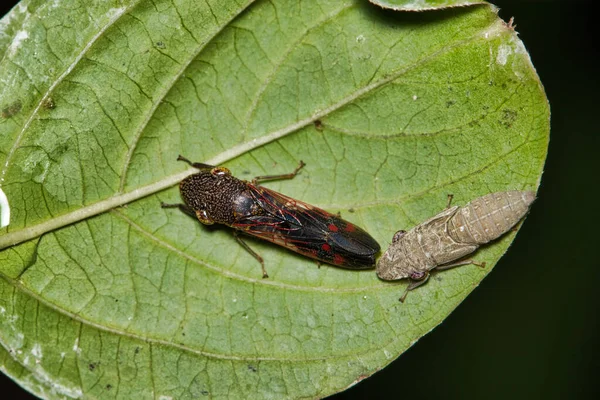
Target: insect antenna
(200,166)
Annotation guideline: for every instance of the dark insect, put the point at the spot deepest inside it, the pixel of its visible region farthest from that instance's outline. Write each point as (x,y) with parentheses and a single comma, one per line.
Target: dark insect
(443,240)
(215,196)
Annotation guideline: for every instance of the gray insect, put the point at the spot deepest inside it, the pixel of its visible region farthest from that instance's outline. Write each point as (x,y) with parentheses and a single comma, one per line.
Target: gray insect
(452,234)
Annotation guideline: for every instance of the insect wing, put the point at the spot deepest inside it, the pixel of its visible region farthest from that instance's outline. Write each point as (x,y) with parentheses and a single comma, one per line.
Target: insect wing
(344,238)
(309,230)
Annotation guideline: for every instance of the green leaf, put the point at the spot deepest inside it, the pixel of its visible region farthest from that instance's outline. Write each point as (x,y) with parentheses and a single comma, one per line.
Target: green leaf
(423,5)
(104,294)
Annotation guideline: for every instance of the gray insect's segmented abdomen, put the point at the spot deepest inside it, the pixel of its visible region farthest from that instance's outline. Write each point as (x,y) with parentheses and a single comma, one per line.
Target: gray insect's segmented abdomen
(488,217)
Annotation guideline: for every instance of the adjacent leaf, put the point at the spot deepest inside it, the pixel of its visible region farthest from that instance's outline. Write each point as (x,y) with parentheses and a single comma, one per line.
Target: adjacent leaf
(104,294)
(423,5)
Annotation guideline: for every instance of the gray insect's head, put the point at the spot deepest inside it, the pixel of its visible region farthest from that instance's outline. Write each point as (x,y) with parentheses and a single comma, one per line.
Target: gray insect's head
(391,268)
(392,265)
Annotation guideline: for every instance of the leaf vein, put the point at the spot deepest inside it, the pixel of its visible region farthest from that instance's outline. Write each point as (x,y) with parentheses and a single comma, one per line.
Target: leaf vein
(58,80)
(166,90)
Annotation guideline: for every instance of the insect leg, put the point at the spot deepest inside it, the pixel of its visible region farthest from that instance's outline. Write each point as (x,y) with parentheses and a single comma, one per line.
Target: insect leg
(282,176)
(413,285)
(194,164)
(450,197)
(458,264)
(183,207)
(252,252)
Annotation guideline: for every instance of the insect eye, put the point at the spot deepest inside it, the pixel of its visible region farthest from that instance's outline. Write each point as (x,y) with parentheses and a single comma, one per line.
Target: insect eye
(398,235)
(220,171)
(417,276)
(203,217)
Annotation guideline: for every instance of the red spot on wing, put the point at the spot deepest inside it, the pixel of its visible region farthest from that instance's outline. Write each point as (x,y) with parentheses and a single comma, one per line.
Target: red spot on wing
(350,228)
(326,247)
(332,228)
(338,260)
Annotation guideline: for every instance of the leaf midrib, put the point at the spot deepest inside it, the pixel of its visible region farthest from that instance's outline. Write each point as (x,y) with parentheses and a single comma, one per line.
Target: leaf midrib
(163,94)
(28,233)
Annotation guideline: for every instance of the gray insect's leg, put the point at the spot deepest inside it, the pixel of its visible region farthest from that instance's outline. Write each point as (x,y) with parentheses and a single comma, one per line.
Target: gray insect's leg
(413,285)
(252,252)
(450,197)
(195,164)
(183,207)
(282,176)
(458,264)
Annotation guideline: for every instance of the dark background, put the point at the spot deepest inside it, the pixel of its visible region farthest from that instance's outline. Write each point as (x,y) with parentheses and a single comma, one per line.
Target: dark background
(530,330)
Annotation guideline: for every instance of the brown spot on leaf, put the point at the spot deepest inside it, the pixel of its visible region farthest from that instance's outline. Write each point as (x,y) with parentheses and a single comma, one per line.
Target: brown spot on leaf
(318,125)
(508,117)
(49,104)
(12,109)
